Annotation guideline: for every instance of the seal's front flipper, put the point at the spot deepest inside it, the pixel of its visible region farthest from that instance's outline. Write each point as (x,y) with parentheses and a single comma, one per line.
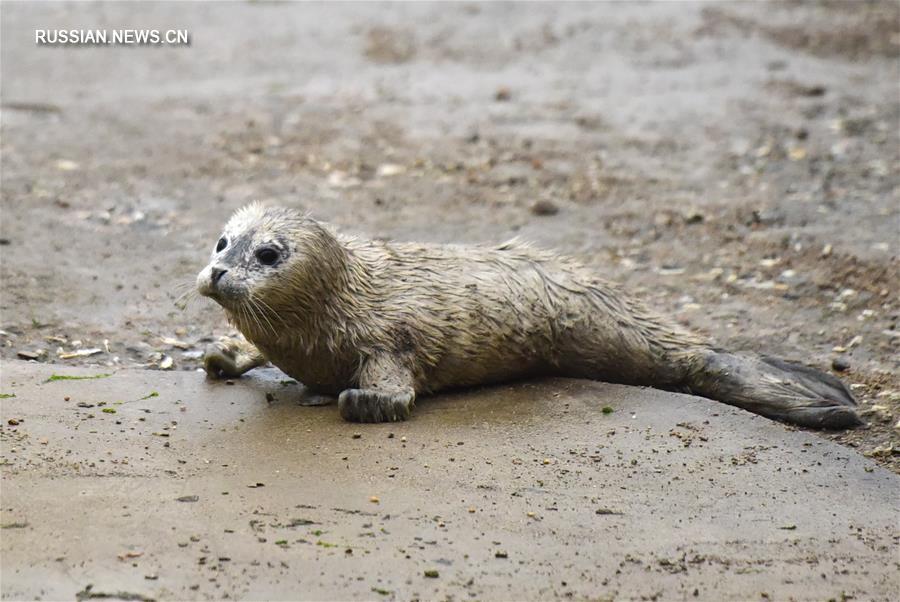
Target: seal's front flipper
(230,358)
(385,392)
(775,389)
(369,405)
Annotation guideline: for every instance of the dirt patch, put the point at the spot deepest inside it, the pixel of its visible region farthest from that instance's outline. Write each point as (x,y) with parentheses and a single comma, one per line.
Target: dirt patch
(842,30)
(390,46)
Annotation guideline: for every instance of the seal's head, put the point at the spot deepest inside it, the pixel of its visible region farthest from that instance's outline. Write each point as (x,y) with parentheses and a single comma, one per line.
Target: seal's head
(262,250)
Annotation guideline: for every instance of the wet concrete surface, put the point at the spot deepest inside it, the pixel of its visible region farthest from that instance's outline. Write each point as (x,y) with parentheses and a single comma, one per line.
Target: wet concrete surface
(557,488)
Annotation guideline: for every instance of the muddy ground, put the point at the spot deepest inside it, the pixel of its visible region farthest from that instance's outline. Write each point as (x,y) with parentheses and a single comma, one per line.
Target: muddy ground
(734,164)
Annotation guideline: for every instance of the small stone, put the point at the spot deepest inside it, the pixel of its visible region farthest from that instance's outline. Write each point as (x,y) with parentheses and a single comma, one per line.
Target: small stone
(390,169)
(12,422)
(66,165)
(503,94)
(28,355)
(693,217)
(544,207)
(79,353)
(797,153)
(432,573)
(374,499)
(188,498)
(501,554)
(841,363)
(357,435)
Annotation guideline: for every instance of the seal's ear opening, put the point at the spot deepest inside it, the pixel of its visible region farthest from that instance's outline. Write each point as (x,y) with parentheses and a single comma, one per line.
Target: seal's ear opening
(776,389)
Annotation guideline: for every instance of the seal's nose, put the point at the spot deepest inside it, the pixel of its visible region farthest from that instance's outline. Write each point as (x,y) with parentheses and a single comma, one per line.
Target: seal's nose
(216,274)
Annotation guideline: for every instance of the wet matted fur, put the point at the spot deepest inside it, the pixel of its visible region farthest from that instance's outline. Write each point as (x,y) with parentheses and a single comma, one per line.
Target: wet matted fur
(378,323)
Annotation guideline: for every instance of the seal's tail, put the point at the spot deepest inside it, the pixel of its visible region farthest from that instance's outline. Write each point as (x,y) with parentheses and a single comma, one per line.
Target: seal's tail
(775,389)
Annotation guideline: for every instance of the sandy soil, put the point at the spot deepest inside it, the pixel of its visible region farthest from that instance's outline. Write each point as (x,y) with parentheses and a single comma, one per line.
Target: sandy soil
(736,164)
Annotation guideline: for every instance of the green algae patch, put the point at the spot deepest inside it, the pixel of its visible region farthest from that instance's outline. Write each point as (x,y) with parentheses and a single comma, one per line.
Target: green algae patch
(56,377)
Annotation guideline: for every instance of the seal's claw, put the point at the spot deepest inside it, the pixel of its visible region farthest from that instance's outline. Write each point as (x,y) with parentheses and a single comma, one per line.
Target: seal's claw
(230,359)
(219,361)
(367,405)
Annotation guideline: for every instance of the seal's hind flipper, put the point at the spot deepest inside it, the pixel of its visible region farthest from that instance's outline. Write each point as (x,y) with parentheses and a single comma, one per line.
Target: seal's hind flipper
(775,389)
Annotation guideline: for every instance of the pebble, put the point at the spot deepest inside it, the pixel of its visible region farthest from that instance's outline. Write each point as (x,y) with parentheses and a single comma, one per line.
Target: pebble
(841,363)
(390,169)
(544,207)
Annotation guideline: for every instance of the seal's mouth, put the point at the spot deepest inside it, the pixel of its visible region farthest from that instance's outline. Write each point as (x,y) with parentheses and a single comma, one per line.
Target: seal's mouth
(205,284)
(215,282)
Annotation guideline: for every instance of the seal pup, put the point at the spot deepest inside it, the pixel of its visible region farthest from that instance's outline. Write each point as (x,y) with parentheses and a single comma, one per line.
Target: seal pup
(378,323)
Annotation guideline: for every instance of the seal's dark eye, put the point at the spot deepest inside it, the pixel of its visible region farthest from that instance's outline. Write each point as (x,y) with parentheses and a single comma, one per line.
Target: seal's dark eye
(267,256)
(221,244)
